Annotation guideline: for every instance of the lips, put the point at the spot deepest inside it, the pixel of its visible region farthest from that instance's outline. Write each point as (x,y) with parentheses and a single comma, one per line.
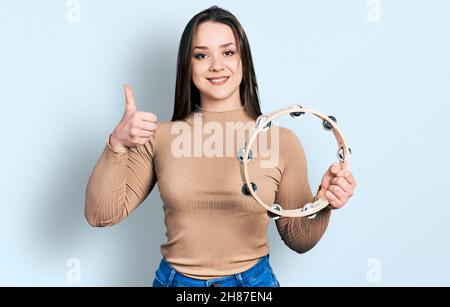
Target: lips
(218,80)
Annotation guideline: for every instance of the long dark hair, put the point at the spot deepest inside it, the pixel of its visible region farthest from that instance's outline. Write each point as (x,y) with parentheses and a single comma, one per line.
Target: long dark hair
(186,93)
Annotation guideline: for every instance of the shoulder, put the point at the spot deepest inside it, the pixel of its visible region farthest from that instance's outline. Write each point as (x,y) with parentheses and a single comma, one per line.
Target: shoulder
(164,132)
(289,141)
(166,129)
(287,136)
(163,126)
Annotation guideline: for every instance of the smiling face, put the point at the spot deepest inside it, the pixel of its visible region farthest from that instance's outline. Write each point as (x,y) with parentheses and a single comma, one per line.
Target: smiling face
(216,63)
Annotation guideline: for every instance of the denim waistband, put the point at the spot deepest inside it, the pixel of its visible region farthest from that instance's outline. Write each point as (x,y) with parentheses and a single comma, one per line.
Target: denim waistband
(167,270)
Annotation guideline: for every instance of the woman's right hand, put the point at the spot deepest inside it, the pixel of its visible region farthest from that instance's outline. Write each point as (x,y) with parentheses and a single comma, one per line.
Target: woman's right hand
(135,128)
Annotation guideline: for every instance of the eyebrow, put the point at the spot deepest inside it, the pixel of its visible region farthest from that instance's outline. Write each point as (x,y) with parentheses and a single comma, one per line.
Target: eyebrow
(204,47)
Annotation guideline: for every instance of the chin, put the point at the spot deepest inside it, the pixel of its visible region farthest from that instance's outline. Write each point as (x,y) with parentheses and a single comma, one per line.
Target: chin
(219,95)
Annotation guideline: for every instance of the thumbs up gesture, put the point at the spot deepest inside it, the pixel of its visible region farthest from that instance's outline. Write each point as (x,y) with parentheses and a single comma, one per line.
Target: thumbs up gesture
(135,128)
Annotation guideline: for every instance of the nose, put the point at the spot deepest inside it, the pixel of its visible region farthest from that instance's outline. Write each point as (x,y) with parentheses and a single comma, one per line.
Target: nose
(216,63)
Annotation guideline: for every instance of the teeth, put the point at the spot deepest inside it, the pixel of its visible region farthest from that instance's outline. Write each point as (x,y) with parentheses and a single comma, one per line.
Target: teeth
(218,80)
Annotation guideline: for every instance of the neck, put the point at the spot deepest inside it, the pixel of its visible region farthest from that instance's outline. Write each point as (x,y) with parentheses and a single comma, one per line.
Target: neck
(230,103)
(232,115)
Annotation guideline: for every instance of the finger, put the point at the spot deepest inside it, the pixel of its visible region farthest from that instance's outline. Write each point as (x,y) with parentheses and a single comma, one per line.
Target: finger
(342,183)
(334,169)
(145,133)
(333,200)
(338,192)
(143,140)
(348,176)
(130,104)
(320,192)
(329,174)
(148,126)
(325,181)
(148,117)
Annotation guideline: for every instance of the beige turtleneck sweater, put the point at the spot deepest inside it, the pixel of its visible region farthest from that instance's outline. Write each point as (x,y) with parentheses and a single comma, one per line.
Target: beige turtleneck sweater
(213,229)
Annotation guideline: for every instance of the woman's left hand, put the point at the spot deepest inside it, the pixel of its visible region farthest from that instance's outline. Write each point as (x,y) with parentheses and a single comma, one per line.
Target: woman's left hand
(337,185)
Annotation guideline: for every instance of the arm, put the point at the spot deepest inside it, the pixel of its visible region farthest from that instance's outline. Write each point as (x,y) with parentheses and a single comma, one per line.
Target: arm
(119,183)
(299,234)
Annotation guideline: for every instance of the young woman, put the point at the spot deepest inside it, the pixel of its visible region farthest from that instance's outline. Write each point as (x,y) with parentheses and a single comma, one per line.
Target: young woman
(216,235)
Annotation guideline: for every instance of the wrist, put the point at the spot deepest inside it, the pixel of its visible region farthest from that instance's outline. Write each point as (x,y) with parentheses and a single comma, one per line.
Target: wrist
(115,146)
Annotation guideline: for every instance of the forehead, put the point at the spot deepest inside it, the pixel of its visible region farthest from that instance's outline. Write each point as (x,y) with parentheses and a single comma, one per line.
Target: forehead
(213,34)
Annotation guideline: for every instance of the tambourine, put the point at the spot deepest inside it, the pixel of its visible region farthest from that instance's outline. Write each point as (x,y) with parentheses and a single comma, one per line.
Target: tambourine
(244,155)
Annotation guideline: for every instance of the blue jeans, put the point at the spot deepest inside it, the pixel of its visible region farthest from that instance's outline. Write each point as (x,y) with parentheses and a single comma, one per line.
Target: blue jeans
(259,275)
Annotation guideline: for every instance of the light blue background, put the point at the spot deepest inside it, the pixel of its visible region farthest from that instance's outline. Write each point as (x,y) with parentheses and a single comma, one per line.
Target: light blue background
(387,83)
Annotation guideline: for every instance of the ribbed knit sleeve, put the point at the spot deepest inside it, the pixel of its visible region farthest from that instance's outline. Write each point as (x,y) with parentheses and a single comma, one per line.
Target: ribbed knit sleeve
(119,183)
(299,234)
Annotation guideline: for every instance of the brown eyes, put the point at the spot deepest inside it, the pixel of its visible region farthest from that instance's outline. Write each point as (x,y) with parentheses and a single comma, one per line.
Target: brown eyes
(201,56)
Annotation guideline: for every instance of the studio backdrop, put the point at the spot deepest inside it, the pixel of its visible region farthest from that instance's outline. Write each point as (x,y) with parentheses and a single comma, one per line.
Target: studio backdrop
(380,67)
